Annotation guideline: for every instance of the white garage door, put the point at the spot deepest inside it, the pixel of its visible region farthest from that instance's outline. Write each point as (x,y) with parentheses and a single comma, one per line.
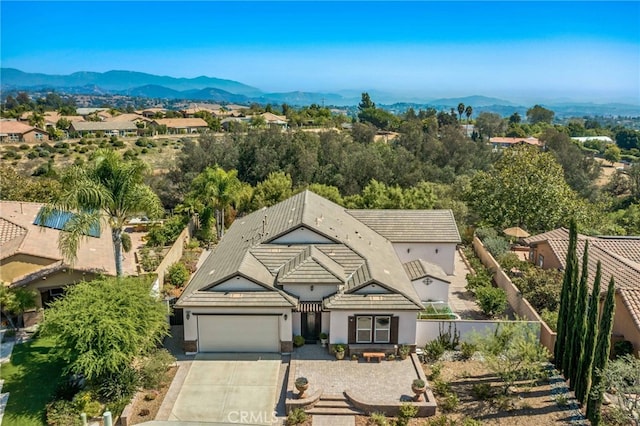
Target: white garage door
(238,333)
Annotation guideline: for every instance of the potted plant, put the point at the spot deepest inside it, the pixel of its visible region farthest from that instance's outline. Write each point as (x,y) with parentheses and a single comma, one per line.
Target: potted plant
(298,341)
(339,350)
(404,351)
(354,357)
(324,339)
(418,386)
(391,357)
(302,384)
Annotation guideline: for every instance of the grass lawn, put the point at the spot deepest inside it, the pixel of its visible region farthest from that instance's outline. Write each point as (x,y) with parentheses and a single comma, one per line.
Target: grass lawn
(31,377)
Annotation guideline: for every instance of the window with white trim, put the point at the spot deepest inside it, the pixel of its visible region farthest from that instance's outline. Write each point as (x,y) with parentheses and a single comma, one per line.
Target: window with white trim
(383,330)
(363,329)
(373,329)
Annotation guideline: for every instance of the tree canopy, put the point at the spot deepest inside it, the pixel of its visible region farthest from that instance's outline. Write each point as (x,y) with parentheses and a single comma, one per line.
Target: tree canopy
(524,188)
(103,325)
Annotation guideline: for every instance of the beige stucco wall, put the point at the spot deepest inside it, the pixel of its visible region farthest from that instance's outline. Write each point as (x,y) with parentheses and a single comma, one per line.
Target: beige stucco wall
(339,325)
(445,256)
(550,259)
(624,326)
(57,280)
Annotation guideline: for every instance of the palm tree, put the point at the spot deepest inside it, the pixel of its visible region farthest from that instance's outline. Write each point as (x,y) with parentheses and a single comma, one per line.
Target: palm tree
(468,111)
(460,110)
(219,189)
(107,187)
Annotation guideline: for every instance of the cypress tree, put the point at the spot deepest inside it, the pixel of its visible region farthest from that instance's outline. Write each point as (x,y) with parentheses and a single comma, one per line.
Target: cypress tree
(571,310)
(583,380)
(560,344)
(579,319)
(601,356)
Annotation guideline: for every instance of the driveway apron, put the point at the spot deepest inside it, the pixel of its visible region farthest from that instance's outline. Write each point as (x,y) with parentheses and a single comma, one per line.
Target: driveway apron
(229,388)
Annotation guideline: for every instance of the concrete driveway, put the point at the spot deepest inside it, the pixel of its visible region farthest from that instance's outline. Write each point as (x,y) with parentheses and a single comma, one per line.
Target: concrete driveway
(229,388)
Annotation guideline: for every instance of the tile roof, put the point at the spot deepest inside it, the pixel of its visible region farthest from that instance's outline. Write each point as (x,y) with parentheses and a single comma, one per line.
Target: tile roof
(369,301)
(181,123)
(105,126)
(404,226)
(355,256)
(16,127)
(10,231)
(247,299)
(511,141)
(126,117)
(419,268)
(94,254)
(619,258)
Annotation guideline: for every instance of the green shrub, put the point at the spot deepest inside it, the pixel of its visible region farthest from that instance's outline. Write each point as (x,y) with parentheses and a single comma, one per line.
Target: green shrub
(298,341)
(378,419)
(436,370)
(93,409)
(497,246)
(441,388)
(441,421)
(467,350)
(296,417)
(407,412)
(24,147)
(550,318)
(484,233)
(482,391)
(480,279)
(450,403)
(154,369)
(119,386)
(434,350)
(492,300)
(177,274)
(622,348)
(63,413)
(468,421)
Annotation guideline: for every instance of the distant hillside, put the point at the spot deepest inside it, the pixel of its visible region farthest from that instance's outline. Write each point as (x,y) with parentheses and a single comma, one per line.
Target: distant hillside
(304,98)
(474,101)
(119,80)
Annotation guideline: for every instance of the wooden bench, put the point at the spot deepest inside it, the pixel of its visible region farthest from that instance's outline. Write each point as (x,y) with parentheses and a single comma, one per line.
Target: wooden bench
(369,355)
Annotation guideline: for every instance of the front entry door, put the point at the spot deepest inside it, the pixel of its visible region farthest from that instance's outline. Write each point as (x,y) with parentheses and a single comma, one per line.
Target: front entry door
(311,326)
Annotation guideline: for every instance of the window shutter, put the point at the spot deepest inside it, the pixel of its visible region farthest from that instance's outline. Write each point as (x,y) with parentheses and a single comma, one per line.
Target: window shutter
(352,330)
(394,329)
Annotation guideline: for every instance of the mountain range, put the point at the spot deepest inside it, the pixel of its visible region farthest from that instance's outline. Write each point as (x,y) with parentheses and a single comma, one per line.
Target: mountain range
(212,89)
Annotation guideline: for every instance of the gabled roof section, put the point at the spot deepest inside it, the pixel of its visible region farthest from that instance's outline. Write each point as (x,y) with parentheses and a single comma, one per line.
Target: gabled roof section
(631,299)
(245,299)
(311,266)
(391,302)
(419,268)
(411,226)
(363,254)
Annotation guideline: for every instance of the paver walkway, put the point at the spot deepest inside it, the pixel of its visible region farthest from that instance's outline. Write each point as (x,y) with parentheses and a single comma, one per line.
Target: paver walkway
(385,381)
(462,302)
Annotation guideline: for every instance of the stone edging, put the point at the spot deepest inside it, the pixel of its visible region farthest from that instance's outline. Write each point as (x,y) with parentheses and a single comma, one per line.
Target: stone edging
(291,402)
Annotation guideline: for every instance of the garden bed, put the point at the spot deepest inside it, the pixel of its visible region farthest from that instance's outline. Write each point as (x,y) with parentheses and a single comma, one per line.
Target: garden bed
(142,404)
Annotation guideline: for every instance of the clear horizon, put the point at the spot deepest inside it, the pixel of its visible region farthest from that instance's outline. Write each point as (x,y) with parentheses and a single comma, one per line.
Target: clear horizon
(585,51)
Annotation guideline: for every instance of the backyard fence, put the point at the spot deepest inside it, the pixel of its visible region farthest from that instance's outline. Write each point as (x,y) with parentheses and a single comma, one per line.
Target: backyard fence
(174,254)
(518,303)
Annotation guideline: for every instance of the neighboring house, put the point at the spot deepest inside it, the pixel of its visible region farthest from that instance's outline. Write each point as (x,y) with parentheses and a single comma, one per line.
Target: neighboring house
(273,120)
(583,139)
(106,128)
(129,117)
(152,112)
(306,266)
(30,257)
(498,143)
(12,131)
(620,259)
(182,125)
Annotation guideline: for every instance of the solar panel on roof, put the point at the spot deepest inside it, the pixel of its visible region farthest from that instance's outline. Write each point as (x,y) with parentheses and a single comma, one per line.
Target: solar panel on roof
(58,220)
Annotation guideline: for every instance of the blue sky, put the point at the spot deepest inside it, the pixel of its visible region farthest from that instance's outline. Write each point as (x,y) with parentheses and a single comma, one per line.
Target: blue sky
(580,50)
